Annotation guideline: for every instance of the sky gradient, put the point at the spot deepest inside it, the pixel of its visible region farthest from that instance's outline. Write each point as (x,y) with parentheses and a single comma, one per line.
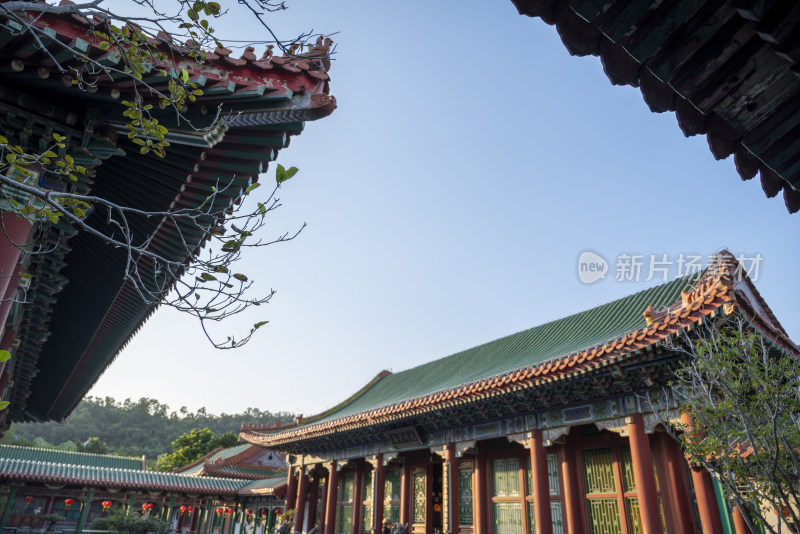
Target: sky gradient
(469,163)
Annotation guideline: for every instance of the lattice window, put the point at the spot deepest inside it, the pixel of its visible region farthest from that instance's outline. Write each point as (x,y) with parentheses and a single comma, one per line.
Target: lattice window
(599,471)
(391,495)
(465,496)
(507,518)
(346,495)
(419,497)
(366,503)
(505,477)
(604,516)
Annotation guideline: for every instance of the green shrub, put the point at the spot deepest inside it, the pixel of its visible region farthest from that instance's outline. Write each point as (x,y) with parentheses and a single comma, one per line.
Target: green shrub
(138,525)
(100,523)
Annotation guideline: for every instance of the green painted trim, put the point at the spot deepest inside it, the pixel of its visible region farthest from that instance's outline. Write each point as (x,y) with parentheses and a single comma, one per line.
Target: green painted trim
(84,511)
(722,506)
(9,505)
(171,508)
(213,523)
(131,502)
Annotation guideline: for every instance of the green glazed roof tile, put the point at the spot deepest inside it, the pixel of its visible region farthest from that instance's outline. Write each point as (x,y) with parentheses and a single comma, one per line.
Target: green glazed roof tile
(68,457)
(534,346)
(47,472)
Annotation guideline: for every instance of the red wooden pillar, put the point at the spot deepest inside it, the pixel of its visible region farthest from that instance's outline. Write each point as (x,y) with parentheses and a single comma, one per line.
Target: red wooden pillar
(676,485)
(706,501)
(195,517)
(14,233)
(358,498)
(452,461)
(302,492)
(643,475)
(543,519)
(404,499)
(570,474)
(324,503)
(313,498)
(480,495)
(739,524)
(333,486)
(704,492)
(380,493)
(291,489)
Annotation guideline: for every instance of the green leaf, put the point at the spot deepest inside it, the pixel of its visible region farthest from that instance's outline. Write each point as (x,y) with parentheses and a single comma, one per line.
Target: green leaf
(104,45)
(185,75)
(208,277)
(251,187)
(280,171)
(3,140)
(4,355)
(290,172)
(259,325)
(240,277)
(4,405)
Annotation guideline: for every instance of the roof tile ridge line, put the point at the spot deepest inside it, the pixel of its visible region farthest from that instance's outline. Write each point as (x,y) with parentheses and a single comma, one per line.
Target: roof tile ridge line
(380,376)
(614,353)
(222,474)
(247,453)
(598,346)
(197,462)
(510,371)
(561,318)
(93,454)
(176,52)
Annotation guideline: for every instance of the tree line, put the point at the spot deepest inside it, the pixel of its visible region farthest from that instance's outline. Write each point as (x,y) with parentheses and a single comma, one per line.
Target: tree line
(131,428)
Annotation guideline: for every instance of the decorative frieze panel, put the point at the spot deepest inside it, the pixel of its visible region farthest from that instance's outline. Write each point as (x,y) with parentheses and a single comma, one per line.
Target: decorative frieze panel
(606,414)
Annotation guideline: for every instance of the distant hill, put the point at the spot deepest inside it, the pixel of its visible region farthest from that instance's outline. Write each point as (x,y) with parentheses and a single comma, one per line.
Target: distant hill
(132,428)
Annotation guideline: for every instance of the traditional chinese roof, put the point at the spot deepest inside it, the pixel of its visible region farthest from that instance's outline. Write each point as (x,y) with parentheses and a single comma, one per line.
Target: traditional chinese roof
(512,374)
(13,452)
(272,486)
(80,311)
(245,461)
(28,471)
(728,70)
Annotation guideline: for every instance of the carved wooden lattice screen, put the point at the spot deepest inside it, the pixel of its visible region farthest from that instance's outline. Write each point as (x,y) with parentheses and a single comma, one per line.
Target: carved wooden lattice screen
(601,491)
(419,497)
(465,494)
(391,495)
(366,503)
(345,515)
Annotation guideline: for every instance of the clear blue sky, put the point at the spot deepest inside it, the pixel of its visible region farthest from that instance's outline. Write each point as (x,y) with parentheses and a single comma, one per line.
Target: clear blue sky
(470,161)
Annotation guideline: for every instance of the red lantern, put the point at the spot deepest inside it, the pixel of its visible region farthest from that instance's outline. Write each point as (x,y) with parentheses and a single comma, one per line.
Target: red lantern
(263,512)
(28,499)
(249,512)
(219,511)
(107,505)
(68,503)
(183,509)
(191,509)
(228,511)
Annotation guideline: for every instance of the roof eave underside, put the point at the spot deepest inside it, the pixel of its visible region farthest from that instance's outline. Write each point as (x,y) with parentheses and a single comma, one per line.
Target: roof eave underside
(729,73)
